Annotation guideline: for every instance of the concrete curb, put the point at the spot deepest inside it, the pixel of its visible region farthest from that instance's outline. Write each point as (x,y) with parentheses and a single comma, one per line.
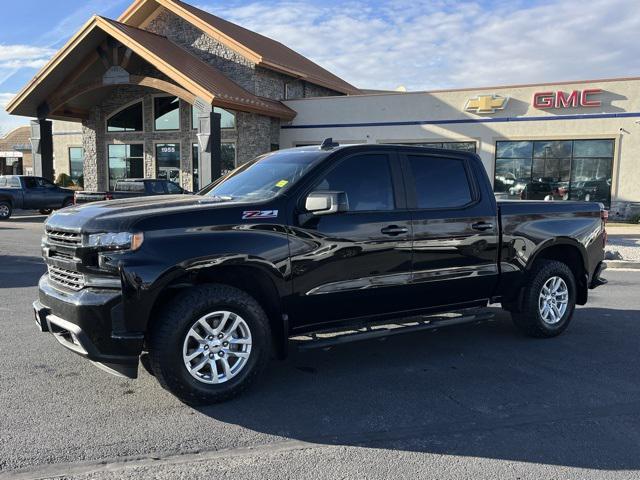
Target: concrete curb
(617,264)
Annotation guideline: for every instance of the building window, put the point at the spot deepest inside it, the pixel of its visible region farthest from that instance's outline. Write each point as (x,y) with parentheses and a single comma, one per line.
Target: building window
(228,157)
(125,161)
(128,119)
(166,113)
(463,146)
(76,163)
(557,169)
(168,161)
(227,118)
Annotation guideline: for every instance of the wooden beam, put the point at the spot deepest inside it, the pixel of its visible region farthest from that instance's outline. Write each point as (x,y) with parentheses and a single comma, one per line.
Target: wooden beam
(58,102)
(102,53)
(126,58)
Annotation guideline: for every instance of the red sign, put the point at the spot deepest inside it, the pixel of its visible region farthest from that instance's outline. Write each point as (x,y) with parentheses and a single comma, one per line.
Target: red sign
(559,99)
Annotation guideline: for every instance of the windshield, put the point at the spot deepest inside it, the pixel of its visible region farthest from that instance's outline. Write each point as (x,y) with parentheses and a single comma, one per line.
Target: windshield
(266,176)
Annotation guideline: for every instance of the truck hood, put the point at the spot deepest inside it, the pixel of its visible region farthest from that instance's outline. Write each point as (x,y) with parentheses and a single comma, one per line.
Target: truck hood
(119,215)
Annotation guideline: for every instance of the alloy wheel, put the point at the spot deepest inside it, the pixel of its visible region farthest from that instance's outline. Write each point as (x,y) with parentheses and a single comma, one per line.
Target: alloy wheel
(217,347)
(553,300)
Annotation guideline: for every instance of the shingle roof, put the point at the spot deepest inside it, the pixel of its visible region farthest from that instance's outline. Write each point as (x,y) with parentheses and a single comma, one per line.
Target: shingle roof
(17,139)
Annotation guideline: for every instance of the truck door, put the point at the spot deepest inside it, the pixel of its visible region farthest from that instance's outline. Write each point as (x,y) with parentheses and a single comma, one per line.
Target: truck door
(356,262)
(455,230)
(34,194)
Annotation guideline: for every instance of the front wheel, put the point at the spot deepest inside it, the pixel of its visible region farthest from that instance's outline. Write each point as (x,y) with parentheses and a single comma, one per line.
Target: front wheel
(549,300)
(210,344)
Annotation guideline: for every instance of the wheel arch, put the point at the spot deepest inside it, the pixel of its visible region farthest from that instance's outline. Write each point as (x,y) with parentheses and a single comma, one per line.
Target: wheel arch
(248,277)
(571,253)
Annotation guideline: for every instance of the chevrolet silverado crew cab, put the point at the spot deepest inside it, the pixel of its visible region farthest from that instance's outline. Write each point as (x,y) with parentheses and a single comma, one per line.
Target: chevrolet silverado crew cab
(307,242)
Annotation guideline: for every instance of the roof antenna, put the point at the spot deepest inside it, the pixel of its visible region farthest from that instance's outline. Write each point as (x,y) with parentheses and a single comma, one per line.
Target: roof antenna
(328,144)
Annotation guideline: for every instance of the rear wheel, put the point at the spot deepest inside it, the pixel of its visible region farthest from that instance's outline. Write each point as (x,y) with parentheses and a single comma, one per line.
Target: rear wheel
(5,210)
(210,344)
(67,203)
(548,302)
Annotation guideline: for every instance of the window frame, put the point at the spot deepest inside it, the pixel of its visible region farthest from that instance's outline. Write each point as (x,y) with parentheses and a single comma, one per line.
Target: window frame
(126,143)
(69,148)
(395,171)
(410,181)
(156,143)
(113,114)
(224,129)
(153,113)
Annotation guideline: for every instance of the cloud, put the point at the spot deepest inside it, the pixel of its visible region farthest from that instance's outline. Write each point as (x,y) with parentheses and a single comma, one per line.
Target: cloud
(9,122)
(425,44)
(15,57)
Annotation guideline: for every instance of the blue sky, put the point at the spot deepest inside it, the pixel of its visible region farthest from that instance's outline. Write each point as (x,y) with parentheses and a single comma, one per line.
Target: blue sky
(419,44)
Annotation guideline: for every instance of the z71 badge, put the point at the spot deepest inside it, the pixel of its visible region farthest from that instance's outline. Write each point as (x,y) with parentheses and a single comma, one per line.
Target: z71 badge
(259,214)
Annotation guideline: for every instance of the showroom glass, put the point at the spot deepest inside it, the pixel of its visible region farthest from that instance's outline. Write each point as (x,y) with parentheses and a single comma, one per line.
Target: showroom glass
(264,177)
(126,120)
(366,179)
(575,169)
(461,146)
(76,162)
(227,164)
(166,113)
(431,191)
(125,161)
(168,161)
(227,118)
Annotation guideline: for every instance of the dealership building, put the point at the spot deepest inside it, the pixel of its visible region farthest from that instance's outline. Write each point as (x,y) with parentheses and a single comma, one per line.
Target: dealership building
(170,91)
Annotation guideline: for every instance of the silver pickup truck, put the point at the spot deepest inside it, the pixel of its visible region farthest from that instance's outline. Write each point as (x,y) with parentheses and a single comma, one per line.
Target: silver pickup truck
(132,187)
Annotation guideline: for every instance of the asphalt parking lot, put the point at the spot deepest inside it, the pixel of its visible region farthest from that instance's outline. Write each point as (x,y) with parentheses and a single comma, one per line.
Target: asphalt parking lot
(468,402)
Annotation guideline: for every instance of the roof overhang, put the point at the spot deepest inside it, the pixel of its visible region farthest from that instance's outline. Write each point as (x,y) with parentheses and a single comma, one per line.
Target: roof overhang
(190,73)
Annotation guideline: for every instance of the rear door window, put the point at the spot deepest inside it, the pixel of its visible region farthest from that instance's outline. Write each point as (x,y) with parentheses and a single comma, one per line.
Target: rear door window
(440,182)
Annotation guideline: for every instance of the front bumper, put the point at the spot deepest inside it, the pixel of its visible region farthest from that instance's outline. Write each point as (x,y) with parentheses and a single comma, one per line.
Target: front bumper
(84,322)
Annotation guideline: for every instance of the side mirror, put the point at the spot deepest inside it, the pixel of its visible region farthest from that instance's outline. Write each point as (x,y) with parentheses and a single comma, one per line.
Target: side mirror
(326,203)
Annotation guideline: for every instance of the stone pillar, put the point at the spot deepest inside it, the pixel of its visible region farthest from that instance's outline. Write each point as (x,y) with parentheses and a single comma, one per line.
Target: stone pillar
(209,146)
(42,148)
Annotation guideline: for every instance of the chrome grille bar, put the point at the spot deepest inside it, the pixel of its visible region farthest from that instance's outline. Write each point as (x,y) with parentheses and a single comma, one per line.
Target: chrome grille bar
(66,278)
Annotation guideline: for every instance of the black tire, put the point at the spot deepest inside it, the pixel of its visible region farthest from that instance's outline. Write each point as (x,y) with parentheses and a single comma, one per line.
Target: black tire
(45,211)
(5,210)
(167,337)
(528,318)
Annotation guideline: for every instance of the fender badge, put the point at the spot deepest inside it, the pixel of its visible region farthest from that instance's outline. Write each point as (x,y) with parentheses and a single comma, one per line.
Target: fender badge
(259,214)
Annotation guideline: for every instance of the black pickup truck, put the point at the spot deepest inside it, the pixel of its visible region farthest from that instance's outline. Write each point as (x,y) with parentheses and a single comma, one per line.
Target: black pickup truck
(131,187)
(31,193)
(310,242)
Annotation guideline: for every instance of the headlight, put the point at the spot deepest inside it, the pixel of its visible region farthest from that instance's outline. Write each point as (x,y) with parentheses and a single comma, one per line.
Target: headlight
(116,241)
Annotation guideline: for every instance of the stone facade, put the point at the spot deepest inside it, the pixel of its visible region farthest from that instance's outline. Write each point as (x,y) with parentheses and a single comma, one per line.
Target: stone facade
(253,134)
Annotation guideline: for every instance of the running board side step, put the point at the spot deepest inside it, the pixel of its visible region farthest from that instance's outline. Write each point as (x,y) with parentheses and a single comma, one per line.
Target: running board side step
(332,338)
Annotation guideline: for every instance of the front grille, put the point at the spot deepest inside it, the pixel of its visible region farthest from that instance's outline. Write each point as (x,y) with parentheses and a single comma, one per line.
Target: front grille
(60,255)
(63,237)
(66,278)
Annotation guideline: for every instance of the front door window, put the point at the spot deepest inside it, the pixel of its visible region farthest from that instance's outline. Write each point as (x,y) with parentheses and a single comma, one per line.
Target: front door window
(125,161)
(168,161)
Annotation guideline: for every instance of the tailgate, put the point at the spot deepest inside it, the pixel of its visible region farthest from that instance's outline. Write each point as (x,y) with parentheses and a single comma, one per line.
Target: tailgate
(86,197)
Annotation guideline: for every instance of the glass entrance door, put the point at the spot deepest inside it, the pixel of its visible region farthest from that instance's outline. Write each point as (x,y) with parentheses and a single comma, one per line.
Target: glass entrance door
(168,161)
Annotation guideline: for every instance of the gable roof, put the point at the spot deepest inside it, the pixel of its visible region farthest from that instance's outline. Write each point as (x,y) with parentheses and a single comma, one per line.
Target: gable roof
(257,48)
(188,71)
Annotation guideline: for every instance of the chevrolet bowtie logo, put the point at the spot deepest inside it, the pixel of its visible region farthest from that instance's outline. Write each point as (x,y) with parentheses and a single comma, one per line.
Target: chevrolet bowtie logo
(486,103)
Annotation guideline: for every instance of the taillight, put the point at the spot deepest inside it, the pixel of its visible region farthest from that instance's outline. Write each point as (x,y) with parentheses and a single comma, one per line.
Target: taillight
(604,216)
(108,196)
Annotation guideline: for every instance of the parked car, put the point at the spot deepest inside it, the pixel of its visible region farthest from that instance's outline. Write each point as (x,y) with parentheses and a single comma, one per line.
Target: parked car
(591,191)
(537,191)
(518,186)
(132,187)
(31,193)
(301,241)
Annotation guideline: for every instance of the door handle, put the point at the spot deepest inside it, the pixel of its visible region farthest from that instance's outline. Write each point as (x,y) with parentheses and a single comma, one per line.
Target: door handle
(394,230)
(482,226)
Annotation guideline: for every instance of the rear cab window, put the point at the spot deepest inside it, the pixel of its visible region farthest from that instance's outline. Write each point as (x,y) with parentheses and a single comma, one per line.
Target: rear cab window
(9,182)
(439,182)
